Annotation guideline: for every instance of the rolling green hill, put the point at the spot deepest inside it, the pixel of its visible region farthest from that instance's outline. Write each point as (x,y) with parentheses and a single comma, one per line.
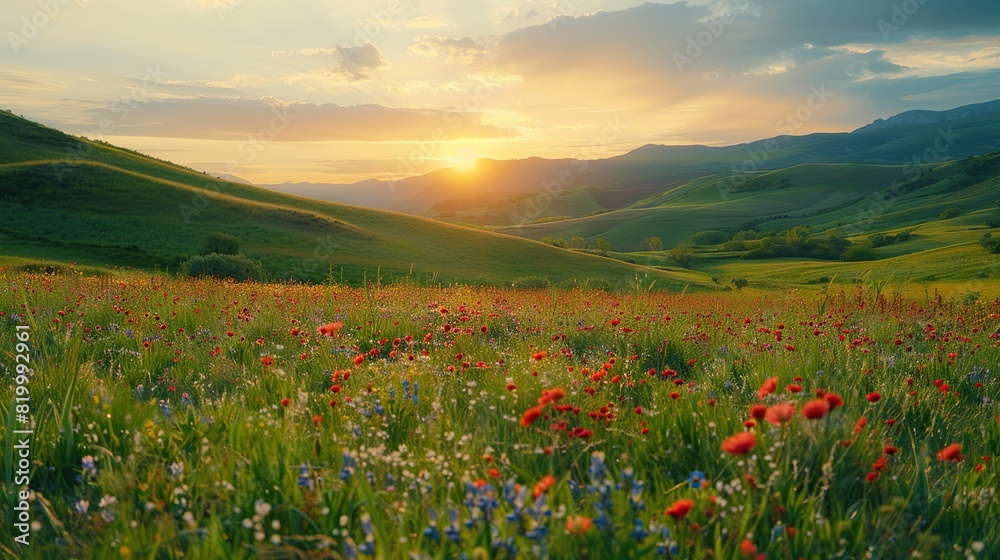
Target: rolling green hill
(909,225)
(65,199)
(847,199)
(518,191)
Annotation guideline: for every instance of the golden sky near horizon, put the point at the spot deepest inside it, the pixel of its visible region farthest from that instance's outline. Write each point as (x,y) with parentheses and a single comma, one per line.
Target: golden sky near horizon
(333,92)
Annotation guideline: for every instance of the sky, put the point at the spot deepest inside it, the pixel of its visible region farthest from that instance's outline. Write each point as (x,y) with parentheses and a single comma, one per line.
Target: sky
(331,91)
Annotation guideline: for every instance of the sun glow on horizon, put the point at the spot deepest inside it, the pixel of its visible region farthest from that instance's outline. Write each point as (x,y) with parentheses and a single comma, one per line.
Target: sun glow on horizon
(465,159)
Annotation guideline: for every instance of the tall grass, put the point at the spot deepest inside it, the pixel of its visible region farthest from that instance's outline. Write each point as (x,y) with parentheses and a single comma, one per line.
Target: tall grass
(211,420)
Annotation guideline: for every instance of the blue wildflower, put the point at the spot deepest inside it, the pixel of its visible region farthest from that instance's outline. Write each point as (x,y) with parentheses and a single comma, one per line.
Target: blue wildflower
(777,532)
(639,531)
(305,480)
(697,480)
(453,531)
(89,468)
(347,470)
(431,531)
(367,547)
(666,546)
(350,549)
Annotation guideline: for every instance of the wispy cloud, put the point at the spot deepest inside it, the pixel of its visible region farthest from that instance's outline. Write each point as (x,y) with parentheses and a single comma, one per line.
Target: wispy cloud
(238,119)
(359,64)
(464,51)
(422,22)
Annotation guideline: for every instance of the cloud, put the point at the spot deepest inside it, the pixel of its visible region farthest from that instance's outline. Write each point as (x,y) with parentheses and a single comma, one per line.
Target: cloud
(315,51)
(737,63)
(932,92)
(350,64)
(465,51)
(272,120)
(233,83)
(422,22)
(411,87)
(358,64)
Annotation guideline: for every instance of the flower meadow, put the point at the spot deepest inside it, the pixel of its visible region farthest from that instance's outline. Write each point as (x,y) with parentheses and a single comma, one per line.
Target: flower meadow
(200,419)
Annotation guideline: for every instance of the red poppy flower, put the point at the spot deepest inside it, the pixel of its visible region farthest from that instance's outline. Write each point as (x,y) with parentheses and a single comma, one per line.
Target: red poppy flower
(768,387)
(551,395)
(747,548)
(531,415)
(679,509)
(758,411)
(330,329)
(359,359)
(740,443)
(779,414)
(873,397)
(816,409)
(286,402)
(951,453)
(578,524)
(543,485)
(539,356)
(890,450)
(834,400)
(860,425)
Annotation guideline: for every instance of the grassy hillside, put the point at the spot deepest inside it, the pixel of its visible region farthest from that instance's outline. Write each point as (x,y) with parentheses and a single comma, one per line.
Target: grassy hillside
(65,199)
(849,199)
(858,202)
(649,171)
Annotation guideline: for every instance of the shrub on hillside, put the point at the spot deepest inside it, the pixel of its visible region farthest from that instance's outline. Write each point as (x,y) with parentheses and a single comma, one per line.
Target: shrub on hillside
(745,235)
(236,267)
(683,254)
(950,213)
(709,237)
(760,254)
(879,240)
(990,243)
(222,244)
(858,253)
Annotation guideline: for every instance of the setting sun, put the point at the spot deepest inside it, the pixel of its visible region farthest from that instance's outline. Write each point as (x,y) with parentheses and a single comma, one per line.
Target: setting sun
(465,159)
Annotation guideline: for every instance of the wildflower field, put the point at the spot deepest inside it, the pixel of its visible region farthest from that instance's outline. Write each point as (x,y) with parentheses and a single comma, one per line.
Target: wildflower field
(196,419)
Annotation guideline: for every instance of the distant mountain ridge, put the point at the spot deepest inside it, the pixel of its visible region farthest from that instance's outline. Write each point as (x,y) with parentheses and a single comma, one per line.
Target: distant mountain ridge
(921,116)
(501,193)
